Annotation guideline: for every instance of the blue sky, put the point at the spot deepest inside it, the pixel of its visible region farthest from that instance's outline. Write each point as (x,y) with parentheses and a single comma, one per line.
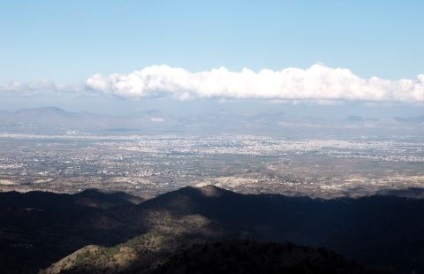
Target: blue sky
(69,41)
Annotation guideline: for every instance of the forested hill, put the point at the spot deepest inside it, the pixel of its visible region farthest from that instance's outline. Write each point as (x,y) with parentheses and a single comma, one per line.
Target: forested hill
(38,229)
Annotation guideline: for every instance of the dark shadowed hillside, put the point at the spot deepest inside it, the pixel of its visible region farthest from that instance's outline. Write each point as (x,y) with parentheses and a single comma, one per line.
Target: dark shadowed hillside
(377,230)
(385,232)
(254,257)
(37,228)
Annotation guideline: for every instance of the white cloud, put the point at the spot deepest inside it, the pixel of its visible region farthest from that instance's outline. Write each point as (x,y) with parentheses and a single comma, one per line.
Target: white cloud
(318,82)
(36,88)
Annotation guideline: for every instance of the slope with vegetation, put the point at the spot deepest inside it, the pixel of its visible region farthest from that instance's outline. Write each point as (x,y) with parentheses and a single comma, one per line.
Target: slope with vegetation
(37,229)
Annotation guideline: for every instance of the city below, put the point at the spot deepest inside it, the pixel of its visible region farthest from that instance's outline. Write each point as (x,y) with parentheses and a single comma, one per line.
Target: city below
(151,165)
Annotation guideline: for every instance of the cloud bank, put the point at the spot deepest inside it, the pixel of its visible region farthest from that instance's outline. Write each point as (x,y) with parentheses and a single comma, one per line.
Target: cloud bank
(315,83)
(37,88)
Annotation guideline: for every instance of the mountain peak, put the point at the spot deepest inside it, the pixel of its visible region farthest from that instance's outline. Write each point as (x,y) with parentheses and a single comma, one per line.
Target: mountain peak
(209,190)
(42,110)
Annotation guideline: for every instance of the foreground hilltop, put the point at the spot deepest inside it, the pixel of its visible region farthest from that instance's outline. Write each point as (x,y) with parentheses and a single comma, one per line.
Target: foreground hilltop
(256,257)
(385,232)
(236,256)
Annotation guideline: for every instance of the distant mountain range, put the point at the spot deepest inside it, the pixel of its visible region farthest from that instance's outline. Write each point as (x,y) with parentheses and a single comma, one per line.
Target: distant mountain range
(52,120)
(93,232)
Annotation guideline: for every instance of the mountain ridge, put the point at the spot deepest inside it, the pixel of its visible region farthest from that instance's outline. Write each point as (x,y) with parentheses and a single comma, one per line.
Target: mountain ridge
(53,120)
(379,231)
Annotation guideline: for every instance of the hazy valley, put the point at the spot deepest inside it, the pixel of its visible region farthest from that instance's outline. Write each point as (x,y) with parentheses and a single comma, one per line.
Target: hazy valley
(46,151)
(310,188)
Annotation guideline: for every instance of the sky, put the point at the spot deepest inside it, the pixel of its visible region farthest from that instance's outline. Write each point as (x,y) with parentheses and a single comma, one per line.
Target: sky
(127,56)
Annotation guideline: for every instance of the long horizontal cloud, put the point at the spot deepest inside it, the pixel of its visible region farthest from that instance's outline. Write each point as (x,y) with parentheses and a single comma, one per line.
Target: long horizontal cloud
(315,83)
(36,88)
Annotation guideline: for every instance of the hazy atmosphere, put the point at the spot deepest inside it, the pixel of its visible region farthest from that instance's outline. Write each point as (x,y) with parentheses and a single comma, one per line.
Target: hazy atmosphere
(122,57)
(236,136)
